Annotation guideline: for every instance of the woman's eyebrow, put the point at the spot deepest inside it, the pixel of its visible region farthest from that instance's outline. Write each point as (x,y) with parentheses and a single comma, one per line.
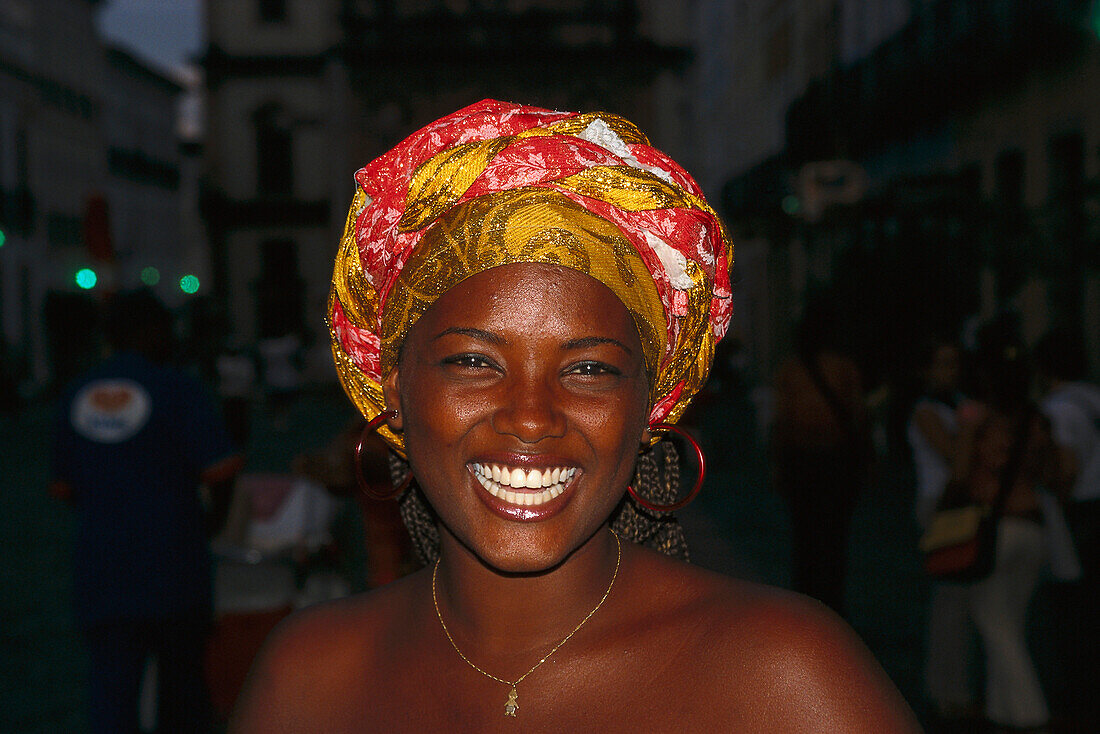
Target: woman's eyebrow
(585,342)
(472,332)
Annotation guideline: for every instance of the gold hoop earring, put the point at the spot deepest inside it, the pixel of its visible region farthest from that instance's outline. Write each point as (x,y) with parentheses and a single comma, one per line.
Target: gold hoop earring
(367,488)
(698,482)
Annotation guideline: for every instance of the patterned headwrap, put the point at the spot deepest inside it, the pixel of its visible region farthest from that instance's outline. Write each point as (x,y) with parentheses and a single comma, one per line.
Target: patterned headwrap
(498,183)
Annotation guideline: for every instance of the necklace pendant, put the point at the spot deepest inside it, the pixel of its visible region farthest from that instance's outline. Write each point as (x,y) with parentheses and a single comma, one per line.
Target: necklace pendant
(512,706)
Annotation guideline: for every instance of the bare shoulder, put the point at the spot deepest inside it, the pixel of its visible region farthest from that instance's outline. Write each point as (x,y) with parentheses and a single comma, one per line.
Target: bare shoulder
(315,657)
(781,661)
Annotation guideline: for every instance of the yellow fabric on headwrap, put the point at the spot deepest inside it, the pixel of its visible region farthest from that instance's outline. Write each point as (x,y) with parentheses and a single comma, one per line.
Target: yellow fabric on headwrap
(532,225)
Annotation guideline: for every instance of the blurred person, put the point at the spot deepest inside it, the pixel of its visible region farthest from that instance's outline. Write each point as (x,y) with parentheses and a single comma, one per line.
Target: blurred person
(1004,442)
(236,383)
(134,439)
(72,339)
(933,427)
(821,454)
(1073,407)
(276,553)
(389,554)
(932,432)
(236,370)
(280,369)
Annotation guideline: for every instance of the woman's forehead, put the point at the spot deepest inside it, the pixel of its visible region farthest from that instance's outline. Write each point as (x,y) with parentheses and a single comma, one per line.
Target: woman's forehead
(533,299)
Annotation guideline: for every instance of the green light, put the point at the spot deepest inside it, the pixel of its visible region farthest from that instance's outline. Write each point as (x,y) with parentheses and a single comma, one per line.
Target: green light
(86,278)
(150,276)
(189,284)
(791,205)
(3,237)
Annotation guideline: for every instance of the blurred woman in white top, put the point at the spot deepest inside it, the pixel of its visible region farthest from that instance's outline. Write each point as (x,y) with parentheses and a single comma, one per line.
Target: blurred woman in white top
(932,432)
(933,427)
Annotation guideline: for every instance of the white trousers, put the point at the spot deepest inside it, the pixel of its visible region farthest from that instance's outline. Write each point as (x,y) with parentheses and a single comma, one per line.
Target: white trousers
(998,605)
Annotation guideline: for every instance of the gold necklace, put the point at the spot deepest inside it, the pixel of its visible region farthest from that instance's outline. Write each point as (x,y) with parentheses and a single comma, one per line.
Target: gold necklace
(512,705)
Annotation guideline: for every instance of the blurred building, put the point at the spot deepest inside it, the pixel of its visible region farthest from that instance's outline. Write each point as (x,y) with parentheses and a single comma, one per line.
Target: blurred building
(755,57)
(941,164)
(89,183)
(301,94)
(52,161)
(151,188)
(754,60)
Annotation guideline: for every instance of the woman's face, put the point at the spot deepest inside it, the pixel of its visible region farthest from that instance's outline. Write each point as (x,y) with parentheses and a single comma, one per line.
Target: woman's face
(523,399)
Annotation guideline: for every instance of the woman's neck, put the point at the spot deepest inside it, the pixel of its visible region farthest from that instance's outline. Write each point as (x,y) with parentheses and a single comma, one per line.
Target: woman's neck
(511,617)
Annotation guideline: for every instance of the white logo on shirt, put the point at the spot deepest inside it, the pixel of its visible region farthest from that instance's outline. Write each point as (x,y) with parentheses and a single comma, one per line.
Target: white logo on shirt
(110,411)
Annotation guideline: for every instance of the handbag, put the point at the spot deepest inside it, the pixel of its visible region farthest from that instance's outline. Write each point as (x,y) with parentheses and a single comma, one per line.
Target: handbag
(960,543)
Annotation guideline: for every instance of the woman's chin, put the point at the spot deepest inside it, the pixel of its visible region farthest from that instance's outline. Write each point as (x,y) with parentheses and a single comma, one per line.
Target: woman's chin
(528,550)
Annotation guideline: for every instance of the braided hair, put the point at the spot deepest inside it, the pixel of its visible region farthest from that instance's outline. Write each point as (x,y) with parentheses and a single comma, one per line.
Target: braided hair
(656,477)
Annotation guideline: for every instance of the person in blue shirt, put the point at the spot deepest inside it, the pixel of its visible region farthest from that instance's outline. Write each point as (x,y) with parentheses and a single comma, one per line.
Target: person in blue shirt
(134,440)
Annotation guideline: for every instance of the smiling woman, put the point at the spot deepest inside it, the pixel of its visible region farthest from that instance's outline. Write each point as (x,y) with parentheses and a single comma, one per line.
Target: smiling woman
(509,374)
(522,297)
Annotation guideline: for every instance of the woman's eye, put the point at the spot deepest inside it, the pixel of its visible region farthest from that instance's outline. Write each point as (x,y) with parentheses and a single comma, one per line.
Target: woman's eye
(592,369)
(469,361)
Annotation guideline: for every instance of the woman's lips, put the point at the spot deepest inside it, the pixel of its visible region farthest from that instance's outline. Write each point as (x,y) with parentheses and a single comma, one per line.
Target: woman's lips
(525,487)
(521,488)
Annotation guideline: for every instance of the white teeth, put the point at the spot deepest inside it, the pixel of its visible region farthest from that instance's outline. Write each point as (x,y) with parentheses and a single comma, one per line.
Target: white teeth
(520,479)
(502,483)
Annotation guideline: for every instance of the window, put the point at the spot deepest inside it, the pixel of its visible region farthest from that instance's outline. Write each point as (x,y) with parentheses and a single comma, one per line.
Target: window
(1008,180)
(1067,197)
(274,152)
(272,11)
(280,290)
(1067,167)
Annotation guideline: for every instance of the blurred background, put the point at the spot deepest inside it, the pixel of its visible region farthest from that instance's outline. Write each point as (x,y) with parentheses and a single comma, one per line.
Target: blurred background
(918,167)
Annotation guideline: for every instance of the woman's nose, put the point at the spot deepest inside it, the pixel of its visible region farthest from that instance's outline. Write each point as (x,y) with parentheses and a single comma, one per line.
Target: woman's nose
(529,410)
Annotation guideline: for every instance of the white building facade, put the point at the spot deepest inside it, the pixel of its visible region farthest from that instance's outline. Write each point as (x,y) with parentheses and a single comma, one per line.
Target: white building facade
(51,70)
(90,180)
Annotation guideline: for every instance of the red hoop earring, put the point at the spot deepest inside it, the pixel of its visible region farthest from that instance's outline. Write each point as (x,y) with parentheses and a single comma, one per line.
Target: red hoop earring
(698,482)
(366,487)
